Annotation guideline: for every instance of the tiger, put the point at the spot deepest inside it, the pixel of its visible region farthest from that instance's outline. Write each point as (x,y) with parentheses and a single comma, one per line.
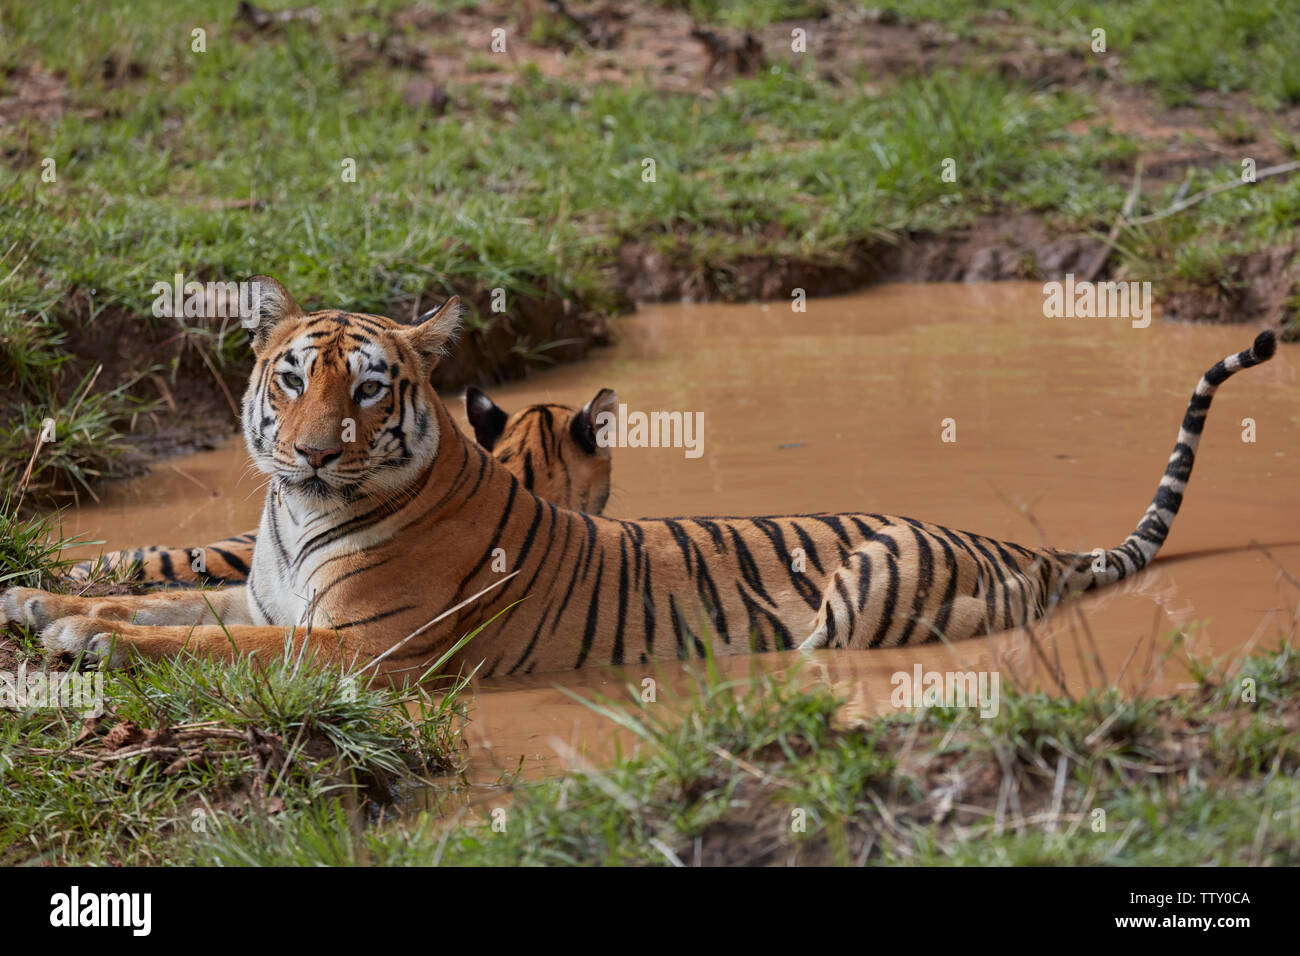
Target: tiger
(551,448)
(385,553)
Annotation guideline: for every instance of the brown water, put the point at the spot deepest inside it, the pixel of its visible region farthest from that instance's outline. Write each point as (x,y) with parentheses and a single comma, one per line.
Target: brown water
(1063,427)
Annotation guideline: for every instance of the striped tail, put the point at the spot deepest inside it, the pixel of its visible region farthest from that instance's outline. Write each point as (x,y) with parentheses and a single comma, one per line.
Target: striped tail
(1140,547)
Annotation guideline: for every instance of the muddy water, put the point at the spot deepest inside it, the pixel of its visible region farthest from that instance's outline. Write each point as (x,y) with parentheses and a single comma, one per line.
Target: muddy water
(1062,429)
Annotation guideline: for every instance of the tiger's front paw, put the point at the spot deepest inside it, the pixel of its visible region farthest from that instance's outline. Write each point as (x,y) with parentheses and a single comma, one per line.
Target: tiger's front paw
(91,637)
(31,607)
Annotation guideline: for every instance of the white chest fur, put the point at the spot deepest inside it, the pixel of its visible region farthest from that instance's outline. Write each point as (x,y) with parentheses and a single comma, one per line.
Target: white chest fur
(295,541)
(284,566)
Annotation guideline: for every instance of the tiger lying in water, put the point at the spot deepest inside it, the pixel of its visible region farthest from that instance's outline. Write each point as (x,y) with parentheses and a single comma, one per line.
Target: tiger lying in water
(363,545)
(550,448)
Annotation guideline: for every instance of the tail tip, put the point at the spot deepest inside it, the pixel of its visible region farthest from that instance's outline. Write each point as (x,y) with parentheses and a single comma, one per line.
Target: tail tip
(1265,345)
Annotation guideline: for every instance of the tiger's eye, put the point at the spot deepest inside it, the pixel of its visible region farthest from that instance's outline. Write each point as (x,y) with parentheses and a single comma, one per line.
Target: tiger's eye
(291,381)
(369,389)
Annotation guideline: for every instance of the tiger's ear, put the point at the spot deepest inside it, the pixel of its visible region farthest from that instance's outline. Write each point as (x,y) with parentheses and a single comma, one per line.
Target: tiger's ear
(487,419)
(268,304)
(586,423)
(433,330)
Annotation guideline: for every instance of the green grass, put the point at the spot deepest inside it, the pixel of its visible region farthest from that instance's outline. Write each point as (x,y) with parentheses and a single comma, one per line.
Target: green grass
(30,546)
(492,194)
(758,770)
(1179,48)
(226,163)
(84,439)
(200,743)
(730,779)
(240,741)
(752,14)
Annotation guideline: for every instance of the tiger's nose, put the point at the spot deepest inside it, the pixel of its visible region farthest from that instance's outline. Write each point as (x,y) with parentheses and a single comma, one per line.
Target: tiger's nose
(317,457)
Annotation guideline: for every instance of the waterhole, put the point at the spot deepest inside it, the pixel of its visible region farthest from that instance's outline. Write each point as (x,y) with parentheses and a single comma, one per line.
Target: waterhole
(1062,428)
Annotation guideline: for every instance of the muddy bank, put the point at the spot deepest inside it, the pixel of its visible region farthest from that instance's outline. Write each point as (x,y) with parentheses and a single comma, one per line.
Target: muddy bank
(1255,287)
(187,403)
(1261,286)
(10,656)
(997,248)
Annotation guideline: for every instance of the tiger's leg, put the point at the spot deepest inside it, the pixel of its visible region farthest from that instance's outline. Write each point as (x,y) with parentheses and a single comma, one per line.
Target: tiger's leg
(116,643)
(39,609)
(915,588)
(962,617)
(845,599)
(833,614)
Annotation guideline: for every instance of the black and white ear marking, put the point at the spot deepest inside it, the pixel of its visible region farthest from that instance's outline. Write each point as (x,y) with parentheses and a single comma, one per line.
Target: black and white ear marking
(486,418)
(584,425)
(426,316)
(266,306)
(434,329)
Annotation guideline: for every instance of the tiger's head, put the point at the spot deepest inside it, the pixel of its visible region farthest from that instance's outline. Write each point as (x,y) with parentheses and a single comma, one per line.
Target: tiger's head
(552,449)
(340,405)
